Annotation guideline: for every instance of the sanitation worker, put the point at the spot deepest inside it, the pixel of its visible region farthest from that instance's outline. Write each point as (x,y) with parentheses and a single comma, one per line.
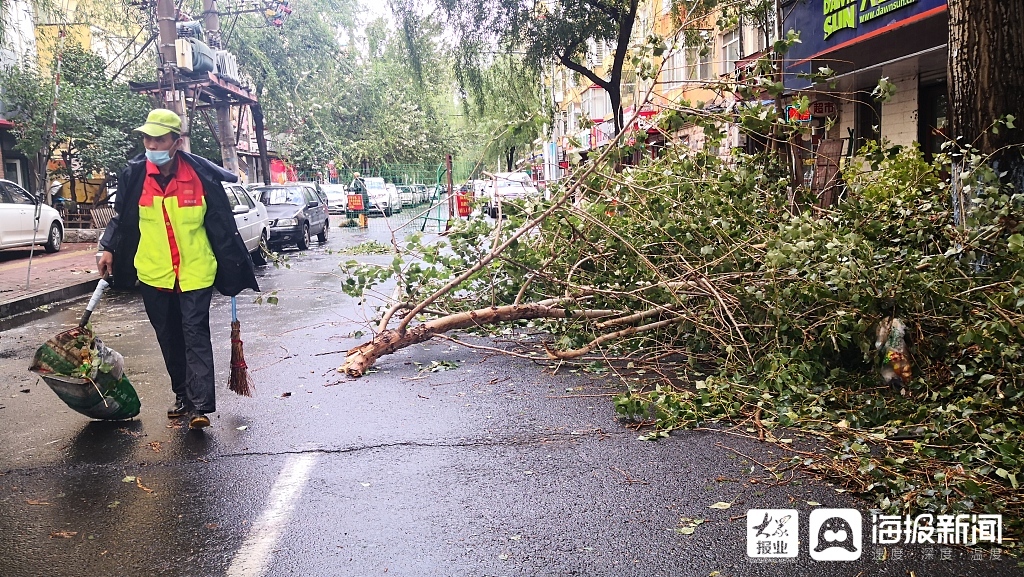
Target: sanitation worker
(175,237)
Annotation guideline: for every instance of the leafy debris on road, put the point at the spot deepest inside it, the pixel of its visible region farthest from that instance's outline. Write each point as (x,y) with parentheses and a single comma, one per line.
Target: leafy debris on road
(721,505)
(687,525)
(367,247)
(437,366)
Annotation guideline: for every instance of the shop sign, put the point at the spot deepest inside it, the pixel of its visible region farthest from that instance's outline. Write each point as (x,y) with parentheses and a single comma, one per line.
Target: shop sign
(849,14)
(823,109)
(794,115)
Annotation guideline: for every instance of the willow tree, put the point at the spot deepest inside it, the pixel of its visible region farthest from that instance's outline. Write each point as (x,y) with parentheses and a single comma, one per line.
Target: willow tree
(562,32)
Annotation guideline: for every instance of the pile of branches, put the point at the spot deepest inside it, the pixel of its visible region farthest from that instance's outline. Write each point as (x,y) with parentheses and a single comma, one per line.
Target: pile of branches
(765,313)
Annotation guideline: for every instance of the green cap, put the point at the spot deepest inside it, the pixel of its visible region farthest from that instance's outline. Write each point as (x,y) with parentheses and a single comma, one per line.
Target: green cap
(161,121)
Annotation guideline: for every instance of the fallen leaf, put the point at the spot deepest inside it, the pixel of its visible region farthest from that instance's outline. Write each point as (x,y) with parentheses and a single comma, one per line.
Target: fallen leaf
(138,483)
(285,395)
(242,428)
(155,445)
(128,479)
(25,390)
(37,502)
(721,505)
(365,484)
(63,534)
(813,503)
(113,505)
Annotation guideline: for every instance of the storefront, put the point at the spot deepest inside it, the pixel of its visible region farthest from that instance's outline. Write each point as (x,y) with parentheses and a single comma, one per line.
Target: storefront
(864,41)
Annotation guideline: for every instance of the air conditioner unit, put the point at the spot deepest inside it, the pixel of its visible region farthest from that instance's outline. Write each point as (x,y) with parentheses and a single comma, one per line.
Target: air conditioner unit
(227,66)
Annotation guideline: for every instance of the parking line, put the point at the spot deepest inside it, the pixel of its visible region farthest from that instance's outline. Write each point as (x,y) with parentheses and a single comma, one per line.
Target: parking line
(253,558)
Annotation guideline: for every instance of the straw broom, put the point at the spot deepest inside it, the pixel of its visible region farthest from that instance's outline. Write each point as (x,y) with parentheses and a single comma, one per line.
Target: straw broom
(239,380)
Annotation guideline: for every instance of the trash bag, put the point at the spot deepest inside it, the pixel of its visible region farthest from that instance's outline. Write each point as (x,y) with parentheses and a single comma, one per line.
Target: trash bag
(87,375)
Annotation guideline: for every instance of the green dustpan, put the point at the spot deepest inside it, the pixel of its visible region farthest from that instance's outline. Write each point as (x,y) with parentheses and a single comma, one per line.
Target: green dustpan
(87,375)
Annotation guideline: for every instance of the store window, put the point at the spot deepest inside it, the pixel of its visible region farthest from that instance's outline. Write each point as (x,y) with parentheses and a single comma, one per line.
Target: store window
(868,119)
(933,120)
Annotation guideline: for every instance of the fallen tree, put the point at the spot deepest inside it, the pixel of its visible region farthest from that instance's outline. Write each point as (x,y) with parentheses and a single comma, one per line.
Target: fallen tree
(696,268)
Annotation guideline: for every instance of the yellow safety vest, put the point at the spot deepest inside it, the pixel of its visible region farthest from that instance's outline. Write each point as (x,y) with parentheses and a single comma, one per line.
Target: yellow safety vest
(173,247)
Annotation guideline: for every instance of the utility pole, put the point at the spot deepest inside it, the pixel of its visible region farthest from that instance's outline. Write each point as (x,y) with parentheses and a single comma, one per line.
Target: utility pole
(226,132)
(173,98)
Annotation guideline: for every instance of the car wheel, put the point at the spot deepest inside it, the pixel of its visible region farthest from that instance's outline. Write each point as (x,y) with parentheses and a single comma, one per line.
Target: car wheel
(322,237)
(387,211)
(54,239)
(304,239)
(493,211)
(259,256)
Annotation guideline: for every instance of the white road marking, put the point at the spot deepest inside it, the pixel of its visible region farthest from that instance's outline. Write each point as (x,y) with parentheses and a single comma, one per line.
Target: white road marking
(253,558)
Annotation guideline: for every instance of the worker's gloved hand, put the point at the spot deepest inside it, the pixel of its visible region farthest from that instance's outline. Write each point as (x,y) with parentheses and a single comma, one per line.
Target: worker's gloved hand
(105,263)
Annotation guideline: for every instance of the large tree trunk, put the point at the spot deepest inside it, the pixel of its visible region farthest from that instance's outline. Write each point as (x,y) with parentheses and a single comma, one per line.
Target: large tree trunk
(986,78)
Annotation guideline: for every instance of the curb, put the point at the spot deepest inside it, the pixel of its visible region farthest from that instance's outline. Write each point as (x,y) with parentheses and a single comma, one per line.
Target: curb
(27,303)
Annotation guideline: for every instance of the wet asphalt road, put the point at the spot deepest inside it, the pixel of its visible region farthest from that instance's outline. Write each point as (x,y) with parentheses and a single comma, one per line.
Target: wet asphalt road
(493,468)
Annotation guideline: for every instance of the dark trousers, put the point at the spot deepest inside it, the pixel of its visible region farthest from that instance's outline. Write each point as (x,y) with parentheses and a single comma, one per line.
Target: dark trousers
(182,324)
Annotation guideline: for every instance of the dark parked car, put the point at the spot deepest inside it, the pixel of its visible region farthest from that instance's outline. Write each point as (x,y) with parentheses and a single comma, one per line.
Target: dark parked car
(296,212)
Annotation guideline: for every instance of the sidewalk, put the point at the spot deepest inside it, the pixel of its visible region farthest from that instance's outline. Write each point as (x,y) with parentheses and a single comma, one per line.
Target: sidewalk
(55,277)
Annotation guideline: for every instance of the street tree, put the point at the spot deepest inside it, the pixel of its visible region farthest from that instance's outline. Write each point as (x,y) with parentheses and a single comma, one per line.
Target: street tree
(986,81)
(507,113)
(561,32)
(94,116)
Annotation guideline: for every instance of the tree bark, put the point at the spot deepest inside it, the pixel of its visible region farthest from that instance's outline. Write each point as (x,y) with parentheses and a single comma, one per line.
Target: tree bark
(361,358)
(986,79)
(261,141)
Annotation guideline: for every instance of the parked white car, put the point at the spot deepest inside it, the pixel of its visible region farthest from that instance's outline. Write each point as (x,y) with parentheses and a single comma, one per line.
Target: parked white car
(396,198)
(18,220)
(251,220)
(337,198)
(382,199)
(506,186)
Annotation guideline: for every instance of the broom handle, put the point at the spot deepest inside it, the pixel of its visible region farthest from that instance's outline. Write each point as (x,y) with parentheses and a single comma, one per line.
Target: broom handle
(234,310)
(96,294)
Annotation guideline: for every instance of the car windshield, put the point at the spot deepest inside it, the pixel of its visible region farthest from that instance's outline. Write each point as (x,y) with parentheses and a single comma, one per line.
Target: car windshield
(333,191)
(289,195)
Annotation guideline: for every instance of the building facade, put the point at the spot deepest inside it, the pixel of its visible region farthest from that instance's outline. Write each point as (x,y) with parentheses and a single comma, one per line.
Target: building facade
(903,42)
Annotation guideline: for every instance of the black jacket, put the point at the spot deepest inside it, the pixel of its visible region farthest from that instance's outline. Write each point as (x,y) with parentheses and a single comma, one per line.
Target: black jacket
(234,267)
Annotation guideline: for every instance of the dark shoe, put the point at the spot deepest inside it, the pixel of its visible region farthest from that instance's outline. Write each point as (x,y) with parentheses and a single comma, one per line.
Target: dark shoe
(180,408)
(198,421)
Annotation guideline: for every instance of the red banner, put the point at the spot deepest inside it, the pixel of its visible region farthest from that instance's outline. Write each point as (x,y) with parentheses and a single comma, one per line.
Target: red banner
(355,202)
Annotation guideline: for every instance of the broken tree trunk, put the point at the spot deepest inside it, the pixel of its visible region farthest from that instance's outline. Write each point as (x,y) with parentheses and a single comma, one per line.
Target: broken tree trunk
(362,357)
